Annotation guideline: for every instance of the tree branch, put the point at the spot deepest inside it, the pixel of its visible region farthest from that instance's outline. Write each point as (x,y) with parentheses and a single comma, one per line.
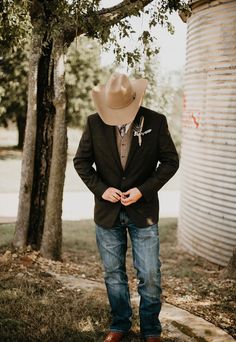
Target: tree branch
(114,14)
(107,16)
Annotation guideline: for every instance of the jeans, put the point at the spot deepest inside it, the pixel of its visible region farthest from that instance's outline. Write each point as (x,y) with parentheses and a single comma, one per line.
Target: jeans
(112,245)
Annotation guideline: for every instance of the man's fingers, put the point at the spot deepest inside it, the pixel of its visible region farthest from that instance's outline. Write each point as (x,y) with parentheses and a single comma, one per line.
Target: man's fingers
(127,201)
(112,199)
(112,195)
(127,193)
(117,191)
(115,196)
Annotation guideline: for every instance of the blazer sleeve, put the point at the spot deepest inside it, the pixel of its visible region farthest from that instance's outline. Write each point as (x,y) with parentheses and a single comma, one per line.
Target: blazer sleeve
(169,163)
(83,163)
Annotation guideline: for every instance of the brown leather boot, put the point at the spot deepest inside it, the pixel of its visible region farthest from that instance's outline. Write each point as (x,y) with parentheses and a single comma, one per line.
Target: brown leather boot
(153,339)
(114,336)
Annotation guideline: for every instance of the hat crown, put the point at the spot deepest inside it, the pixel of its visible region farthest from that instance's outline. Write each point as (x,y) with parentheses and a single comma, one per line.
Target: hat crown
(119,92)
(118,101)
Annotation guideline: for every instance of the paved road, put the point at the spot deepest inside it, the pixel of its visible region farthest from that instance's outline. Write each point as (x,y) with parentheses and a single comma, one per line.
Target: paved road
(79,205)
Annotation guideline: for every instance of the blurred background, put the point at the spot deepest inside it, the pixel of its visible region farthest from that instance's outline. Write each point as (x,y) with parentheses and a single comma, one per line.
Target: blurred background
(87,64)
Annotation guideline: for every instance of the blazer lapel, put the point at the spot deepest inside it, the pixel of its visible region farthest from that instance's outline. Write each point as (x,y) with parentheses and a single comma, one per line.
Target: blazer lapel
(112,144)
(134,142)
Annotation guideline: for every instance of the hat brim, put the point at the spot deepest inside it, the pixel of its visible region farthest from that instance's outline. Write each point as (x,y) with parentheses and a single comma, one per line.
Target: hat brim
(119,116)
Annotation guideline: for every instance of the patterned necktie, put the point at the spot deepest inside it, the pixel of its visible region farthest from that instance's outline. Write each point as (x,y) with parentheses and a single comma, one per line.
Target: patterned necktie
(122,130)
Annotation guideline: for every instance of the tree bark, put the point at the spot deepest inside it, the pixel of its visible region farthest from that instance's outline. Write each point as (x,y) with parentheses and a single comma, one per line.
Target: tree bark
(22,223)
(21,123)
(44,143)
(52,236)
(44,157)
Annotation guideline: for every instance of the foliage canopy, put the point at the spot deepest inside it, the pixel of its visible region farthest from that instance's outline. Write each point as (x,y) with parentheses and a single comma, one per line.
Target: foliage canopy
(75,17)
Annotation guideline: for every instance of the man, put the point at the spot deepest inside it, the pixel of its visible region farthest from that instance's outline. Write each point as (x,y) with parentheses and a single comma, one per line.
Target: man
(134,157)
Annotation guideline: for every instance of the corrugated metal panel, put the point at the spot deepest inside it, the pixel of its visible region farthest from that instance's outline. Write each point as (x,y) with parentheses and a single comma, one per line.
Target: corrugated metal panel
(207,223)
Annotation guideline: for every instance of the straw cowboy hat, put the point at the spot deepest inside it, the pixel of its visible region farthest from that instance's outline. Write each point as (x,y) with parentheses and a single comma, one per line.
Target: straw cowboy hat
(118,101)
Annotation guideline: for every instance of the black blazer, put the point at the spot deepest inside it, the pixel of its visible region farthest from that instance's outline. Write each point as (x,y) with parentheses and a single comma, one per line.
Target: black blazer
(148,167)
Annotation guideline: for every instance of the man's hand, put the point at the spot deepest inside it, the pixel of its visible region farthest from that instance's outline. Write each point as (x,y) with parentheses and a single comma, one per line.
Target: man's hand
(112,195)
(130,196)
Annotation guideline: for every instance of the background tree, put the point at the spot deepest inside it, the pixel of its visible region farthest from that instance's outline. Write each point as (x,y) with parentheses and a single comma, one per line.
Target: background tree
(83,72)
(164,94)
(13,89)
(54,25)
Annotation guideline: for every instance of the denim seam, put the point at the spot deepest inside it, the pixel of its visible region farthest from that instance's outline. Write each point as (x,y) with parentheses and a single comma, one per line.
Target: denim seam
(120,331)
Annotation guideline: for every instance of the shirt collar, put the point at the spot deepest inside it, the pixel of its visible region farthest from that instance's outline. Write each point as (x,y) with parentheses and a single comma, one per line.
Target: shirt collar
(127,126)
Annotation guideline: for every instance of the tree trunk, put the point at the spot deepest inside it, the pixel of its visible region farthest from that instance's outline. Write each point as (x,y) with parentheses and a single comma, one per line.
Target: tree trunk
(44,155)
(21,122)
(22,224)
(44,143)
(52,236)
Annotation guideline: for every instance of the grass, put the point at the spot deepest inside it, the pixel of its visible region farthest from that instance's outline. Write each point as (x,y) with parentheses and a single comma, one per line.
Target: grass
(79,236)
(34,306)
(44,312)
(79,246)
(7,231)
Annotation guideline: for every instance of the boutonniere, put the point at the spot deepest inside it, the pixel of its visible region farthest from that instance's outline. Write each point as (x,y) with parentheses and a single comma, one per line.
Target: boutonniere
(138,131)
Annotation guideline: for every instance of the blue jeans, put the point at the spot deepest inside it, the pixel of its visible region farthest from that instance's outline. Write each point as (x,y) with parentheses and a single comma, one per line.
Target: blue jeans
(112,245)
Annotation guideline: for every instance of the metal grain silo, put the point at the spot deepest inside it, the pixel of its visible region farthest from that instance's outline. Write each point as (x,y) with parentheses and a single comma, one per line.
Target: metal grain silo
(207,223)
